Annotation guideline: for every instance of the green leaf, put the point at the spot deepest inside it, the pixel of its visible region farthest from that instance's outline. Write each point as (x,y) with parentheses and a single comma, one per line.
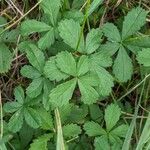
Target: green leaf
(120,130)
(93,40)
(16,121)
(19,94)
(101,143)
(94,5)
(112,115)
(93,129)
(134,20)
(35,87)
(47,40)
(51,8)
(70,33)
(123,67)
(52,72)
(83,65)
(30,72)
(143,57)
(32,26)
(112,32)
(89,94)
(36,57)
(5,63)
(32,117)
(40,142)
(71,130)
(66,63)
(11,107)
(140,41)
(61,95)
(46,119)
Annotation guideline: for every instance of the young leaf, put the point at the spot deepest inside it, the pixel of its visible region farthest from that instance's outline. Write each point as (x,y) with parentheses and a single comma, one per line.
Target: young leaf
(30,72)
(61,95)
(36,57)
(89,94)
(122,67)
(40,142)
(70,33)
(93,40)
(47,40)
(143,57)
(51,8)
(134,20)
(35,87)
(16,121)
(66,63)
(32,26)
(82,65)
(52,72)
(112,32)
(32,117)
(19,94)
(112,115)
(5,58)
(93,129)
(71,130)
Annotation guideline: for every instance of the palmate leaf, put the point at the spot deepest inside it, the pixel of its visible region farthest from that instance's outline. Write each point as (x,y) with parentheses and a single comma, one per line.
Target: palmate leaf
(123,67)
(112,115)
(93,40)
(32,26)
(61,95)
(93,129)
(134,20)
(5,58)
(52,72)
(143,57)
(112,32)
(70,33)
(71,130)
(66,63)
(51,8)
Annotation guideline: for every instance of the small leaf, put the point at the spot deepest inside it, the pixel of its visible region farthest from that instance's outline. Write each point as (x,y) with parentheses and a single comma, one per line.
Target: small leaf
(52,72)
(70,33)
(11,107)
(30,72)
(19,94)
(112,115)
(5,58)
(143,57)
(66,63)
(40,142)
(89,94)
(32,117)
(112,32)
(93,129)
(71,130)
(35,88)
(93,40)
(134,20)
(32,26)
(16,121)
(51,8)
(83,65)
(61,95)
(120,130)
(47,40)
(123,67)
(36,57)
